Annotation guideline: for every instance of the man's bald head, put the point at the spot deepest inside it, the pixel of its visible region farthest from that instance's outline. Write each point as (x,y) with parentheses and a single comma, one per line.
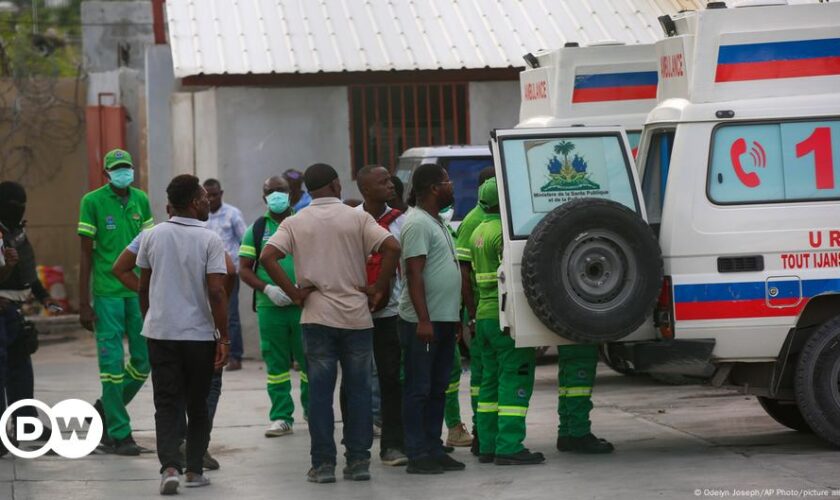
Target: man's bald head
(374,182)
(275,183)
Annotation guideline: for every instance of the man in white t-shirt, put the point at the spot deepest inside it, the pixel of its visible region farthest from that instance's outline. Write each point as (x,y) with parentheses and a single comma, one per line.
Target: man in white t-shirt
(184,305)
(376,187)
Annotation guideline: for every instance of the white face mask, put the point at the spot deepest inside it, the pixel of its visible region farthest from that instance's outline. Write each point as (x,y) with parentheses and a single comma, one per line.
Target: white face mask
(446,214)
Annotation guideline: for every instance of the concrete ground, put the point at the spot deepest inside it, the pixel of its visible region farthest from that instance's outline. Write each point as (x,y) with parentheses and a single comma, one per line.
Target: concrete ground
(671,442)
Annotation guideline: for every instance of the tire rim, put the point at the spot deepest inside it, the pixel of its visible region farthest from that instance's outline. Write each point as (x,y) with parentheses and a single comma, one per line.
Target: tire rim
(596,269)
(834,382)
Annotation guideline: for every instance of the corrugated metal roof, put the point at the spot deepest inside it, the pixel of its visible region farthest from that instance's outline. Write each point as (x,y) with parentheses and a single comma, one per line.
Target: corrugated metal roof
(310,36)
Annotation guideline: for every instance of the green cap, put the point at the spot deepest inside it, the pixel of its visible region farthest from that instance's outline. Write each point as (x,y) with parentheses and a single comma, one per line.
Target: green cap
(117,157)
(488,194)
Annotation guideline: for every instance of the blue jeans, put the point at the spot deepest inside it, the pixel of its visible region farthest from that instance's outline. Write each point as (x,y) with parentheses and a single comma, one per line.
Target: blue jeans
(427,368)
(234,326)
(324,347)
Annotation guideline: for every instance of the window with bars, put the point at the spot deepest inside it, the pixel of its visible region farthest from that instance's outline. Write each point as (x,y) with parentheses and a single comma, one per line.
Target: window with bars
(385,120)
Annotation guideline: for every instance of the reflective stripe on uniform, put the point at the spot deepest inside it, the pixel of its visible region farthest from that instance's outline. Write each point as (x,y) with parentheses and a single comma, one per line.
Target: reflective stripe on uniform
(150,223)
(574,392)
(135,373)
(513,411)
(487,407)
(280,378)
(86,229)
(453,387)
(303,378)
(247,251)
(474,390)
(110,378)
(485,277)
(463,254)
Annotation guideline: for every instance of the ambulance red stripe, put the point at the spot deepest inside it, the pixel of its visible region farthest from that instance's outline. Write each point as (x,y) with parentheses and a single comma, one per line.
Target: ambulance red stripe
(599,94)
(734,309)
(770,70)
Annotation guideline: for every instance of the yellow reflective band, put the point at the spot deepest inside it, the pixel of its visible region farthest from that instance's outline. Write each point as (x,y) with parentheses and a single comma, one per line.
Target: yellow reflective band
(485,277)
(135,374)
(149,223)
(281,378)
(87,229)
(110,378)
(463,252)
(474,390)
(513,411)
(487,407)
(247,251)
(453,387)
(304,378)
(574,392)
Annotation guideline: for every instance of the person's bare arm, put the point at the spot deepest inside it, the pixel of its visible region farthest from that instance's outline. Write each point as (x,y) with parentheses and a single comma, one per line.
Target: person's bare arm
(143,290)
(123,269)
(417,293)
(86,315)
(230,278)
(218,307)
(379,296)
(248,276)
(467,289)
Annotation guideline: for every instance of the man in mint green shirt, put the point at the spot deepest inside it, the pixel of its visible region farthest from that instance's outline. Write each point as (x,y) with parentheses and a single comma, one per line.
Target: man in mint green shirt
(430,307)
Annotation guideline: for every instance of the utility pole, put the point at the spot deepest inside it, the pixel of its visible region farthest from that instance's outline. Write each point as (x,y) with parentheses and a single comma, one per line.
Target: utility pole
(34,17)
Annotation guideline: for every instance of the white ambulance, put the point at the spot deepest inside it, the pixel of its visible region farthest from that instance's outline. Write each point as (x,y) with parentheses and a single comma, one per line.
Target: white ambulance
(740,184)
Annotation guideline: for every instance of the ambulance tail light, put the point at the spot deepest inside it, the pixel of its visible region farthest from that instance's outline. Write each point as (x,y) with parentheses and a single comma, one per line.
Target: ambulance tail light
(663,316)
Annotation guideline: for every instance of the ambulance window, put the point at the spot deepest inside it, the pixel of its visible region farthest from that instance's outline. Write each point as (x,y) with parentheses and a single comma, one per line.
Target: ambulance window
(405,167)
(463,172)
(543,172)
(633,137)
(775,162)
(655,178)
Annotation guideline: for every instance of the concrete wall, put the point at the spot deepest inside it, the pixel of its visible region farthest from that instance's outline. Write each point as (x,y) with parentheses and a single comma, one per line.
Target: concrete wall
(114,27)
(492,105)
(160,80)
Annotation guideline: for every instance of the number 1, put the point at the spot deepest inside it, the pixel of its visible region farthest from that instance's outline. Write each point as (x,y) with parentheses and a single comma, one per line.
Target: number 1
(820,143)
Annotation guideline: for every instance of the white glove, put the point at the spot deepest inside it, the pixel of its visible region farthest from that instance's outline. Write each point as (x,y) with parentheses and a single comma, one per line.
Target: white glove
(276,295)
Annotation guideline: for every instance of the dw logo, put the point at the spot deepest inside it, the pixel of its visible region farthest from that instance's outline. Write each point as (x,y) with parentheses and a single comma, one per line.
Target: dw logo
(76,428)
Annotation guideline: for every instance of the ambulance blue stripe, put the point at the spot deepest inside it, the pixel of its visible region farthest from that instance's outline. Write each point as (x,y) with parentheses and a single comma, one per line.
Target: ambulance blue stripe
(616,80)
(778,51)
(752,290)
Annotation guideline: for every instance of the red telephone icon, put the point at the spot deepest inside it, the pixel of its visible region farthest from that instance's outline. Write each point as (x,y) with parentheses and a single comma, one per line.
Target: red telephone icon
(749,179)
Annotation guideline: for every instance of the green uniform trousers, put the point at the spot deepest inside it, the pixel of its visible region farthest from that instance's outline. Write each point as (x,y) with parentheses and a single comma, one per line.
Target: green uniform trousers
(452,408)
(476,363)
(118,317)
(506,386)
(279,341)
(576,366)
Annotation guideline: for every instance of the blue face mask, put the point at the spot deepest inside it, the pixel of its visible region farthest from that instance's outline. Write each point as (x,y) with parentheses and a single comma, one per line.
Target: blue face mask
(277,202)
(121,178)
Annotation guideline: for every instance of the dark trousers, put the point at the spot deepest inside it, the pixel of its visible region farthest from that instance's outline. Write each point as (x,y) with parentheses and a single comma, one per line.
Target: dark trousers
(324,348)
(427,368)
(17,380)
(181,375)
(388,354)
(212,402)
(234,326)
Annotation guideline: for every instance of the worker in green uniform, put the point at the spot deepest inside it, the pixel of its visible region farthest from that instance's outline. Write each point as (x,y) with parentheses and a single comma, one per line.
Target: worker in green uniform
(507,371)
(109,219)
(576,365)
(468,295)
(277,316)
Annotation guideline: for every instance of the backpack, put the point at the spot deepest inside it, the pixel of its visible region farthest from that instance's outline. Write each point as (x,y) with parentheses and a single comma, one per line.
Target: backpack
(258,232)
(374,262)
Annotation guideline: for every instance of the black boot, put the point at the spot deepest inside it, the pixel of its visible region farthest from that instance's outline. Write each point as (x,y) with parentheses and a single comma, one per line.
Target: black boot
(474,448)
(106,441)
(523,457)
(588,444)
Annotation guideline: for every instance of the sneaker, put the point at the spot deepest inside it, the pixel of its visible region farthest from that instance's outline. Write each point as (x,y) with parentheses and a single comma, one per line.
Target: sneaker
(449,464)
(459,436)
(194,480)
(209,462)
(325,473)
(358,470)
(486,458)
(523,457)
(448,449)
(393,457)
(588,444)
(234,365)
(278,428)
(424,466)
(126,447)
(169,482)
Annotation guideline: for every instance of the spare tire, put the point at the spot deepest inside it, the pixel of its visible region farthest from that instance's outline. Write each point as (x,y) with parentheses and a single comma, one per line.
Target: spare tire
(592,270)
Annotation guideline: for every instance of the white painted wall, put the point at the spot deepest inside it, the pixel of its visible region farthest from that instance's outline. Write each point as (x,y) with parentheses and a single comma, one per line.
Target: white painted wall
(492,105)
